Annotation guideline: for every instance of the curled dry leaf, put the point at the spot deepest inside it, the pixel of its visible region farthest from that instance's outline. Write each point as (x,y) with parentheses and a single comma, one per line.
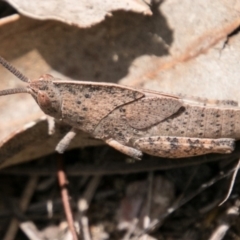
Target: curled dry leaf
(165,52)
(33,141)
(80,13)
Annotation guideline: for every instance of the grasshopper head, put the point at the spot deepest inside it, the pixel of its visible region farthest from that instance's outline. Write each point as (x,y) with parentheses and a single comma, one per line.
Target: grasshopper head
(46,95)
(43,91)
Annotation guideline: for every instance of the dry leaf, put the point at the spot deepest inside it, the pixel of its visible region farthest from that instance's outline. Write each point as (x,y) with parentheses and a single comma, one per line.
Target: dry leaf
(33,141)
(204,58)
(214,74)
(80,13)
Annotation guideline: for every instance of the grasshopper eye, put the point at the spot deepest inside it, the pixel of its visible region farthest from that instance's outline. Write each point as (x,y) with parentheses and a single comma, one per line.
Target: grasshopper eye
(49,103)
(43,99)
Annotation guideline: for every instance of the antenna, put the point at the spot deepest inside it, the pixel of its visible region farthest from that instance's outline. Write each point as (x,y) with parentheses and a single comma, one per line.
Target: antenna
(13,70)
(13,91)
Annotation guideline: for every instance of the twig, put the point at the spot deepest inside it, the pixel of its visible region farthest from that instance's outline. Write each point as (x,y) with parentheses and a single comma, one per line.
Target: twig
(65,197)
(131,229)
(84,203)
(232,183)
(180,198)
(31,230)
(175,206)
(85,228)
(91,188)
(146,220)
(112,167)
(24,202)
(231,214)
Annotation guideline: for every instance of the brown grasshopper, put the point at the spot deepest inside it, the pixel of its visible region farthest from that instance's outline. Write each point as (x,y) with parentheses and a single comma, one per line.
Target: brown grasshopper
(134,121)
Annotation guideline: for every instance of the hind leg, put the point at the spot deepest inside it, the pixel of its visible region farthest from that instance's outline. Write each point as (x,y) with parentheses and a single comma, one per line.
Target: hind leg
(179,147)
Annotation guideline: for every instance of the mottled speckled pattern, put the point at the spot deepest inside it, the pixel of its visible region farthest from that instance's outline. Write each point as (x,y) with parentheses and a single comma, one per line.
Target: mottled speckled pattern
(84,105)
(201,122)
(177,147)
(148,109)
(136,121)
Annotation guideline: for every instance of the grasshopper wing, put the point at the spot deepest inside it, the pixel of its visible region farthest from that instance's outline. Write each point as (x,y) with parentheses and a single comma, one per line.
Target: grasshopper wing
(90,102)
(149,111)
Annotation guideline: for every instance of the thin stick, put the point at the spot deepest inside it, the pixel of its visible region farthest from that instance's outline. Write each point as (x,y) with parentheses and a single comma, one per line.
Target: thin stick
(226,221)
(231,184)
(156,223)
(24,202)
(64,192)
(146,221)
(31,231)
(111,167)
(84,203)
(13,70)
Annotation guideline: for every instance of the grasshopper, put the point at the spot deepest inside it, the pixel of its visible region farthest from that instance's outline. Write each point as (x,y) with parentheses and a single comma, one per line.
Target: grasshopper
(134,121)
